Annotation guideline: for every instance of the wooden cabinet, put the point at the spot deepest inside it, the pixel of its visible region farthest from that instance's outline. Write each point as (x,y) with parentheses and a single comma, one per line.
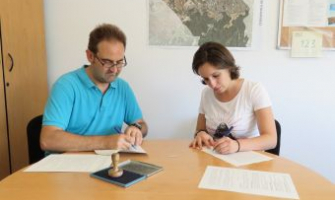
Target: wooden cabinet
(23,78)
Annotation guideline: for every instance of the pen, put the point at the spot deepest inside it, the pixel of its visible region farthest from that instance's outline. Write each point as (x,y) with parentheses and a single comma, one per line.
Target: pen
(118,130)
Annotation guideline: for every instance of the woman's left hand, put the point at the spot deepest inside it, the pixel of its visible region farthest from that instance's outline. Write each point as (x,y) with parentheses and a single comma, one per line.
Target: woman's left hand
(226,145)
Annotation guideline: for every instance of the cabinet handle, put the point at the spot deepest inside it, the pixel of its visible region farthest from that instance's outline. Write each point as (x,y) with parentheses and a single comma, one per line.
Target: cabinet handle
(12,65)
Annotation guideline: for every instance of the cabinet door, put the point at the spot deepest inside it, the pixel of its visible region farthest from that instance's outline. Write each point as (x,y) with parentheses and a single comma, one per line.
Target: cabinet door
(4,153)
(25,71)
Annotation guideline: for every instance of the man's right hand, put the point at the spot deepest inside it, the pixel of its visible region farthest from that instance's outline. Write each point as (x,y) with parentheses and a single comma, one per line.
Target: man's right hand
(118,141)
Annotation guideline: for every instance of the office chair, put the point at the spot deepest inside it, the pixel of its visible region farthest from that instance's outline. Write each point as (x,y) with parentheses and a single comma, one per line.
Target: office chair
(276,150)
(33,132)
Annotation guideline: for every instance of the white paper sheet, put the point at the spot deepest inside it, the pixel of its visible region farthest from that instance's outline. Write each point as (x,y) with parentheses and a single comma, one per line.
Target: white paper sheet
(248,181)
(306,44)
(240,158)
(70,163)
(136,149)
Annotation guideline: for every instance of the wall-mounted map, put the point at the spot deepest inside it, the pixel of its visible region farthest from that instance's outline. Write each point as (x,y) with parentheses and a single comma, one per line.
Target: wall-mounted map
(193,22)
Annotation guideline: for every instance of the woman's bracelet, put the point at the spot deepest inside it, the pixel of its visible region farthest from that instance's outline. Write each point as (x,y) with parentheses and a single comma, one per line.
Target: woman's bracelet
(195,134)
(238,145)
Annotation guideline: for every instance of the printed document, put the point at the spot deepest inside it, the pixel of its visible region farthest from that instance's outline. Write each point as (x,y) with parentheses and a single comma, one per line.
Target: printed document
(239,158)
(135,149)
(305,13)
(70,163)
(248,181)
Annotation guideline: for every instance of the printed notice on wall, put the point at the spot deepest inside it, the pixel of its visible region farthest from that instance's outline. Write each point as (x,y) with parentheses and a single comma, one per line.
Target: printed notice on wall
(306,44)
(316,16)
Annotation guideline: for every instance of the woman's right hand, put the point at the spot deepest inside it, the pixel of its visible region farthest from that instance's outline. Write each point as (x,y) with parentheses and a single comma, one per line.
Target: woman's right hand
(202,139)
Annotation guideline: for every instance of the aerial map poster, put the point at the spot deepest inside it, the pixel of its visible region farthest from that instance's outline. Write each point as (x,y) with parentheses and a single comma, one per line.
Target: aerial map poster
(308,16)
(233,23)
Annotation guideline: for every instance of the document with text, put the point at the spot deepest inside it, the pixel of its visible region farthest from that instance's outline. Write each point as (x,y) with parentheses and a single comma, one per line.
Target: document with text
(70,163)
(305,13)
(249,181)
(240,158)
(132,149)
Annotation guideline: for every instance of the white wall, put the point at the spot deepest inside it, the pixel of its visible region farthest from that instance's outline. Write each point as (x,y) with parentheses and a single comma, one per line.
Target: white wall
(302,90)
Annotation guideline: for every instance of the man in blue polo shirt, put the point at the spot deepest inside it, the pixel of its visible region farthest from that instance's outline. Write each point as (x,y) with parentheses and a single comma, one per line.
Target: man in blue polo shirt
(87,107)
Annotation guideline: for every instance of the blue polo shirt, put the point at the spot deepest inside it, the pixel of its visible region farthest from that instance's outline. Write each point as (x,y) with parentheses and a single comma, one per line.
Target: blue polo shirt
(76,105)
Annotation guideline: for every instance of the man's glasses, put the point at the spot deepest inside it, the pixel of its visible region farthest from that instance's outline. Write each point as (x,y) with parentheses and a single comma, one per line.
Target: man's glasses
(223,131)
(110,64)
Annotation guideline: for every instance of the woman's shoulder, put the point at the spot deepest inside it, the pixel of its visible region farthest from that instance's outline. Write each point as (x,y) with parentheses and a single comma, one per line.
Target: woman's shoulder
(207,91)
(252,85)
(207,94)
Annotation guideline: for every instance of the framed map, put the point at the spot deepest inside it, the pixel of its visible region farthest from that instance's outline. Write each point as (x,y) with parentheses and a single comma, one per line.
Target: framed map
(233,23)
(317,16)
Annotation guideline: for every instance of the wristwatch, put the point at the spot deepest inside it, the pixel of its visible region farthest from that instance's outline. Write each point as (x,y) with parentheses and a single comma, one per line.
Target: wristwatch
(137,125)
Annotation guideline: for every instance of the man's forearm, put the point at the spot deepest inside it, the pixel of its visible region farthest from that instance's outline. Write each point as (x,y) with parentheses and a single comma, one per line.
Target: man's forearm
(61,141)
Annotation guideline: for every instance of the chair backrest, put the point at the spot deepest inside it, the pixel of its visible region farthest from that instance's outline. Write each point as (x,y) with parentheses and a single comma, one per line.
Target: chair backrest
(33,132)
(276,150)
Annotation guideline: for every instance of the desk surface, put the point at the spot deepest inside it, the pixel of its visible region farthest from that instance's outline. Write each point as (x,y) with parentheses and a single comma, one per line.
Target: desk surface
(183,170)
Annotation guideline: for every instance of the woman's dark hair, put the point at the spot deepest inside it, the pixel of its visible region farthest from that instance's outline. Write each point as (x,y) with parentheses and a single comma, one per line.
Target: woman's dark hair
(105,32)
(217,55)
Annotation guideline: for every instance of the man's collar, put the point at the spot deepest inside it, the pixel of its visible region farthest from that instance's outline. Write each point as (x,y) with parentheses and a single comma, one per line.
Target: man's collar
(88,82)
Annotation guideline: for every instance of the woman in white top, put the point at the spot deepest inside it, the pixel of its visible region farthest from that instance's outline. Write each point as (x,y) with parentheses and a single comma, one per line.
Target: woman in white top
(235,114)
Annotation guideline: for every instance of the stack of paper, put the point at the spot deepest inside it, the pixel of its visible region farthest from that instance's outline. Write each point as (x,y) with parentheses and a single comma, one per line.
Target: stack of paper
(135,149)
(248,181)
(70,163)
(240,158)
